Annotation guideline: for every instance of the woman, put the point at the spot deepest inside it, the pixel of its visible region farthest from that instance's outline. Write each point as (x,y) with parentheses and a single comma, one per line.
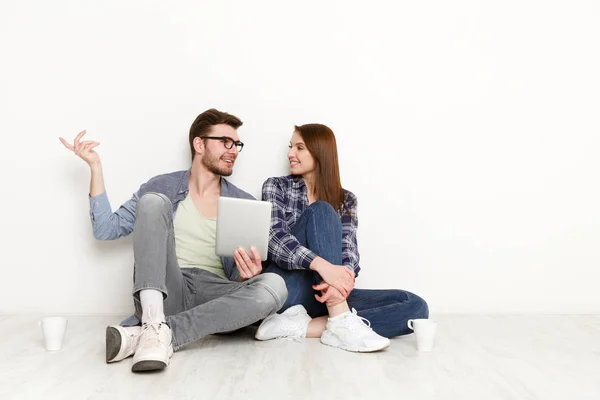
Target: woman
(313,247)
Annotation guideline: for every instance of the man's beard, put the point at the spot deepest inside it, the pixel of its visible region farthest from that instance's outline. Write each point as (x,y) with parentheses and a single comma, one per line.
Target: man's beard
(212,164)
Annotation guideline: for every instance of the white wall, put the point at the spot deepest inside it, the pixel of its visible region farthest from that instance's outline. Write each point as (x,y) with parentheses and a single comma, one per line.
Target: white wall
(468,129)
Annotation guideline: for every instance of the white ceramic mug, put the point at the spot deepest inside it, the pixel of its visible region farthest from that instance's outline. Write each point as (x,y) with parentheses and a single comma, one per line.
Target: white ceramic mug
(424,331)
(54,329)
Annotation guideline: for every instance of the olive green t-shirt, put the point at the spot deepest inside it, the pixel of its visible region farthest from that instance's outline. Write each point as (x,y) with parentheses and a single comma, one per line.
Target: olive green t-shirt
(195,239)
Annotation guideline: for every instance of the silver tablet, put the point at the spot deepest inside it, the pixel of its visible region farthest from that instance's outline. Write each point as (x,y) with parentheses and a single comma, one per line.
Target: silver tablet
(242,223)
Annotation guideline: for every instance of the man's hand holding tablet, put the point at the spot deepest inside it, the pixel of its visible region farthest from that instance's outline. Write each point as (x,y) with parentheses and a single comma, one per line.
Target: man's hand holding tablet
(248,267)
(243,233)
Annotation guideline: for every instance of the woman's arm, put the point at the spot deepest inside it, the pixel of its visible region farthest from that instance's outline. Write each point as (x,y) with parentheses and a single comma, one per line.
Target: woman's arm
(284,248)
(350,256)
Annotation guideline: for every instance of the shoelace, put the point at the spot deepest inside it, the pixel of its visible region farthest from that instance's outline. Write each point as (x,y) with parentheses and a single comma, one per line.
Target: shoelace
(355,321)
(135,336)
(154,339)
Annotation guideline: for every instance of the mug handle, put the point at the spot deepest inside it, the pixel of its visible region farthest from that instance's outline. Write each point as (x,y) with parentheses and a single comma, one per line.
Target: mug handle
(410,324)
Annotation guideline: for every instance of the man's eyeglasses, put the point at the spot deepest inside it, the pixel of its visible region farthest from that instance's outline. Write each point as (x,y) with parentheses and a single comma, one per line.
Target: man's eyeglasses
(227,142)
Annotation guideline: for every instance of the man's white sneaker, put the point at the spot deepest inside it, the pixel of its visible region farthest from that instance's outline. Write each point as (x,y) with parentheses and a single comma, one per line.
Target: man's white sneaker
(121,341)
(291,323)
(350,332)
(155,349)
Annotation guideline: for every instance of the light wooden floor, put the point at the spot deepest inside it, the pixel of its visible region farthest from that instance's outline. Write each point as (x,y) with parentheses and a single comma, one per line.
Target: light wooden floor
(477,357)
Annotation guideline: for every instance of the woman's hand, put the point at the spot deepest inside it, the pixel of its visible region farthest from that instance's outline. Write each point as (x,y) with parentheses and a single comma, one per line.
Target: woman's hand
(337,276)
(329,295)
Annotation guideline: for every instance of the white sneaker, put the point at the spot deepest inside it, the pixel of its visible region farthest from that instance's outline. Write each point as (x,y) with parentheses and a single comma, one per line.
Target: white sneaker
(350,332)
(155,349)
(121,341)
(291,323)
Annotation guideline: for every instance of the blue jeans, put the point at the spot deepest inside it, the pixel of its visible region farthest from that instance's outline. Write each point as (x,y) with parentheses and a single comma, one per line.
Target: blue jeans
(319,228)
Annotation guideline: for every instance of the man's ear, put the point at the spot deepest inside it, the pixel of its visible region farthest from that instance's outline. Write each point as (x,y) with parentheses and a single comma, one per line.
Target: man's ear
(198,145)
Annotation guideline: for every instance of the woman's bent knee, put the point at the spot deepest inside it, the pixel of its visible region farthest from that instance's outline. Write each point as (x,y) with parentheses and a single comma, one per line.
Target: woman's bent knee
(323,209)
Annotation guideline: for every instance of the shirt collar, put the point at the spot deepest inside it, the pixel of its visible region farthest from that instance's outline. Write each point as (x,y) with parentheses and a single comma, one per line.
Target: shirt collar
(298,181)
(185,182)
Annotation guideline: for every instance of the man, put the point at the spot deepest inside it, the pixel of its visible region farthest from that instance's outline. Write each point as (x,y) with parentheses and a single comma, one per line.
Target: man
(182,291)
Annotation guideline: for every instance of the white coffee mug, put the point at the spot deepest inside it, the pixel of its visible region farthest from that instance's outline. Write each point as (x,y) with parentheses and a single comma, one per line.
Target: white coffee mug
(424,331)
(54,329)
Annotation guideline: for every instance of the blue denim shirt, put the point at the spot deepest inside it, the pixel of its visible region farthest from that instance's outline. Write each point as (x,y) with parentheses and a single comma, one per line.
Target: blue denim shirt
(108,225)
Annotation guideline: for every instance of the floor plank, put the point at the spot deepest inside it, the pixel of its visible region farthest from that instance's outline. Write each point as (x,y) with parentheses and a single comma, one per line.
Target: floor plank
(476,357)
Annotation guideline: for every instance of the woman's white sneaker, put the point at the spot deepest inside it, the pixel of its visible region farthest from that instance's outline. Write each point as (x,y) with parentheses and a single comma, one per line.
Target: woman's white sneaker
(292,323)
(350,332)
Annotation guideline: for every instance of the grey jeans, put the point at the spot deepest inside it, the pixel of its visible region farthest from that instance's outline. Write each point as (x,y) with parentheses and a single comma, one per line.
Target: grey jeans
(196,302)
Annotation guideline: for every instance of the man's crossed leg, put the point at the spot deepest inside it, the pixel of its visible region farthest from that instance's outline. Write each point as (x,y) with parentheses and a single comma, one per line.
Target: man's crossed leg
(176,305)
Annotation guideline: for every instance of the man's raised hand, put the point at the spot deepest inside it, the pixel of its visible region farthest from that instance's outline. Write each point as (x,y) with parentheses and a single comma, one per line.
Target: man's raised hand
(83,149)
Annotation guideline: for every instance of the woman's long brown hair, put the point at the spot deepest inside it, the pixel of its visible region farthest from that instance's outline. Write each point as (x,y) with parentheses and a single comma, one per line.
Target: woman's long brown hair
(321,144)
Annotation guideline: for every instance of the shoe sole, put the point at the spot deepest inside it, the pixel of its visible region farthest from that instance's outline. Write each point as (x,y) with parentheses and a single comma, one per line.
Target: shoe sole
(148,365)
(333,341)
(113,343)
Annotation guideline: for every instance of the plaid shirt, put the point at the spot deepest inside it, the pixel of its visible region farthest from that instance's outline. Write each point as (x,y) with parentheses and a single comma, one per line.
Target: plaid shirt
(289,198)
